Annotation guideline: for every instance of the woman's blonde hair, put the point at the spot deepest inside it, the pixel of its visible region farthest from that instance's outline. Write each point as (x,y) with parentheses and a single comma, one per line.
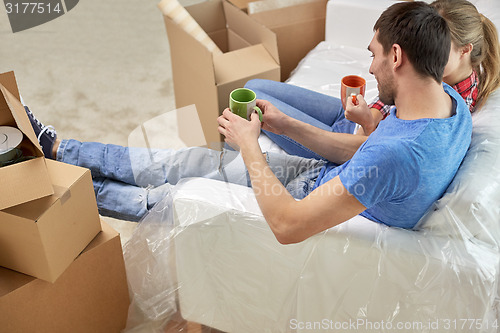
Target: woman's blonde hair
(468,26)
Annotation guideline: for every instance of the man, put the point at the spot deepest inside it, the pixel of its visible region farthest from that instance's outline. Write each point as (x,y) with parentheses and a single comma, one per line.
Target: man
(402,168)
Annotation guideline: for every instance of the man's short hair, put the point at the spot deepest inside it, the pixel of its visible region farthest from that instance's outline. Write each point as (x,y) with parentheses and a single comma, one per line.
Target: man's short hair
(422,34)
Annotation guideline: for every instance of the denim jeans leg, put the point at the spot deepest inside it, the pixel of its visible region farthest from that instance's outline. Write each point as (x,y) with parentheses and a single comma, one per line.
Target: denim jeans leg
(289,145)
(296,173)
(129,181)
(124,201)
(103,160)
(142,166)
(320,109)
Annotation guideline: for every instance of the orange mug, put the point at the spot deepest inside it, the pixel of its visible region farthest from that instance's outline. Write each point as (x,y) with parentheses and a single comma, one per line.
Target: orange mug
(351,84)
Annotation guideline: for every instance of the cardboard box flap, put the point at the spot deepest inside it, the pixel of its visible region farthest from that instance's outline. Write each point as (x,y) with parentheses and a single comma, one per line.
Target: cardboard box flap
(192,71)
(242,63)
(6,117)
(309,11)
(8,80)
(25,175)
(225,89)
(21,118)
(209,15)
(63,176)
(254,33)
(235,41)
(35,209)
(219,37)
(188,53)
(27,180)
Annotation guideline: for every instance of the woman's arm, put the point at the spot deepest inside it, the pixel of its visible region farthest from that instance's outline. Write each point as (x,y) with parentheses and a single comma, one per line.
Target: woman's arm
(335,147)
(364,115)
(368,128)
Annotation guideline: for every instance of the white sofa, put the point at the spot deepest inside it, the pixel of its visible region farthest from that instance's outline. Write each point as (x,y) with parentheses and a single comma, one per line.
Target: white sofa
(234,276)
(216,260)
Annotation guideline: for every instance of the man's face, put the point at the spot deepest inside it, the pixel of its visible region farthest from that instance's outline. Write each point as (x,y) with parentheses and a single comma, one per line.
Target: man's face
(382,71)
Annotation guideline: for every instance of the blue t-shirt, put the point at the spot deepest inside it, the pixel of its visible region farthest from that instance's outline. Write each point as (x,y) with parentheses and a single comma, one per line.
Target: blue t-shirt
(405,165)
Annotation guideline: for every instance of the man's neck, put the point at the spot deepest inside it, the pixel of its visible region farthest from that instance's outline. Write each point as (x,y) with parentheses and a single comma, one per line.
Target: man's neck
(422,98)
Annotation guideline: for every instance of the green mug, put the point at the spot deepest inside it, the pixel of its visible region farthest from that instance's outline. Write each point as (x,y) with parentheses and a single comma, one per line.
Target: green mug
(242,101)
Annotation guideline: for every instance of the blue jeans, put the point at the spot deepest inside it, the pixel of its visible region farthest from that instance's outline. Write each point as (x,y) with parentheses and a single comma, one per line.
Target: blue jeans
(316,109)
(128,182)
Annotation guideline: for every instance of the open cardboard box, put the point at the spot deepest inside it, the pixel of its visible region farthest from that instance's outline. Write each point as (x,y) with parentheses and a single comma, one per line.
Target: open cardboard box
(298,28)
(205,79)
(28,180)
(90,296)
(42,237)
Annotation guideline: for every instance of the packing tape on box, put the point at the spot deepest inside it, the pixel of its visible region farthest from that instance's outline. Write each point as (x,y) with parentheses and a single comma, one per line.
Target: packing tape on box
(64,193)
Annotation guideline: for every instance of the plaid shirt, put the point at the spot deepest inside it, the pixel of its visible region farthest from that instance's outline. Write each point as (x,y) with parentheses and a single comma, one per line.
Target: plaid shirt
(384,109)
(467,88)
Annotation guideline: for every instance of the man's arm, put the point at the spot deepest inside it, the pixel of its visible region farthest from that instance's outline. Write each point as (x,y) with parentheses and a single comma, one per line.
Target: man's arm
(335,147)
(291,221)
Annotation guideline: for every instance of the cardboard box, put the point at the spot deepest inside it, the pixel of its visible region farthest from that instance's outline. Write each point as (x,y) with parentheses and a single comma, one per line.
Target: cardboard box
(90,296)
(42,237)
(205,79)
(26,180)
(298,28)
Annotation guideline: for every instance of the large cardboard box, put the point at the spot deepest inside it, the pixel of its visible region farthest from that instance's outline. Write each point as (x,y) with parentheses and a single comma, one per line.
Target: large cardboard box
(298,28)
(26,180)
(42,237)
(90,296)
(206,79)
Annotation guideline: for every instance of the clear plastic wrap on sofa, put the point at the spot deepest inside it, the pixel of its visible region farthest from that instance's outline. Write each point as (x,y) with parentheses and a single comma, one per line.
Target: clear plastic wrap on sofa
(470,208)
(206,255)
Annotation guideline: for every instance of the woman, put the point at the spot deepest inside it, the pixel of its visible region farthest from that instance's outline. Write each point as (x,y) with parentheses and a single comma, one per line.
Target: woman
(472,70)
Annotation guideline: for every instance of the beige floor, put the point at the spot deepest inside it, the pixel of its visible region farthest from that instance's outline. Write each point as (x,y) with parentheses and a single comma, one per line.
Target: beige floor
(96,72)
